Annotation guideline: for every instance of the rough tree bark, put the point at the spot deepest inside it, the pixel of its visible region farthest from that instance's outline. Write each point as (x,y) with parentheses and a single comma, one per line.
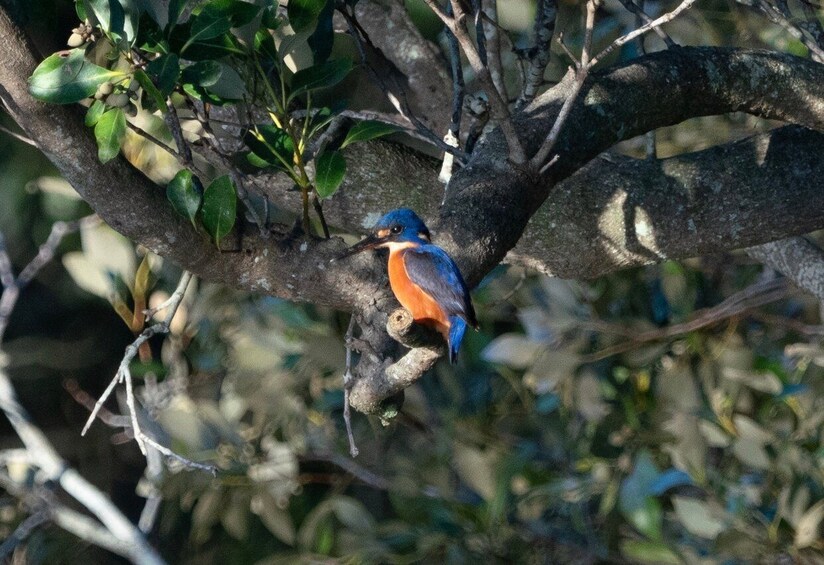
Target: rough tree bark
(588,215)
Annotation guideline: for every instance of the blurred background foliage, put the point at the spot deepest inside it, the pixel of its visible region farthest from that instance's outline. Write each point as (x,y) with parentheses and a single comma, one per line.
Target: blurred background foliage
(625,419)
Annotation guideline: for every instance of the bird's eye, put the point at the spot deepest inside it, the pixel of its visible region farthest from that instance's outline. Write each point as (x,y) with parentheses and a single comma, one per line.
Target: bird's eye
(396,229)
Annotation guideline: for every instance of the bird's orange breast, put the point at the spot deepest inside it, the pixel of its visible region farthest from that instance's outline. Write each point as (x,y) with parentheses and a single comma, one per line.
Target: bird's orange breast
(423,307)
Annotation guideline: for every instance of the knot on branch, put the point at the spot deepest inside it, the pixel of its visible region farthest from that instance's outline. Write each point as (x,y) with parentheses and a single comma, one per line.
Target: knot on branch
(402,328)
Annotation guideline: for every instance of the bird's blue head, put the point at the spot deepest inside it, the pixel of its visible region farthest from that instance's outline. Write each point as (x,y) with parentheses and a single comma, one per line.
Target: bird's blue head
(398,227)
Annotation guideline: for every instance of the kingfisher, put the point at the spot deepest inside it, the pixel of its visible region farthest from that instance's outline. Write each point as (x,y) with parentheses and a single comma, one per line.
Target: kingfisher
(425,280)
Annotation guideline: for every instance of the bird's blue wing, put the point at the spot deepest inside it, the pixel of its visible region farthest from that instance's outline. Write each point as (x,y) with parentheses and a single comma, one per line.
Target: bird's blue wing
(429,267)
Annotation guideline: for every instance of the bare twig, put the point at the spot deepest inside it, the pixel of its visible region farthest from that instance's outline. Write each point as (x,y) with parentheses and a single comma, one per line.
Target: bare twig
(544,29)
(755,295)
(539,161)
(783,18)
(124,376)
(812,24)
(581,71)
(500,111)
(686,4)
(639,12)
(395,94)
(489,15)
(22,531)
(18,136)
(237,179)
(43,454)
(347,385)
(179,458)
(123,372)
(11,285)
(453,135)
(173,123)
(155,141)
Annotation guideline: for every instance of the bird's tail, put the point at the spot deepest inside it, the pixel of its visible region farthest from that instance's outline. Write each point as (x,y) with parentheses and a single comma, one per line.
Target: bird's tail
(457,327)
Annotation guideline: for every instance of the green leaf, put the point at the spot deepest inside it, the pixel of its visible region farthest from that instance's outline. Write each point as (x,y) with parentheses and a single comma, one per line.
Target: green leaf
(696,516)
(368,129)
(158,11)
(203,73)
(649,552)
(207,25)
(199,49)
(219,208)
(164,72)
(636,501)
(229,85)
(109,132)
(213,82)
(150,89)
(94,112)
(324,75)
(304,13)
(175,9)
(239,13)
(270,19)
(330,169)
(185,193)
(67,77)
(114,17)
(323,37)
(272,146)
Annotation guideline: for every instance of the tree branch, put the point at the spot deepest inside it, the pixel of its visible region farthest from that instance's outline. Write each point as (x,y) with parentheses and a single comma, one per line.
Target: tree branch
(797,258)
(618,212)
(490,201)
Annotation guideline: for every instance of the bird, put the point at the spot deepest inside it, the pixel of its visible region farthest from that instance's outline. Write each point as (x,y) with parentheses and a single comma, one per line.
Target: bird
(423,277)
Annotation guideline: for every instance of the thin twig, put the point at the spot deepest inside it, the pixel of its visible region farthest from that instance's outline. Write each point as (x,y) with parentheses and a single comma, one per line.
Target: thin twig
(87,401)
(639,12)
(13,285)
(397,95)
(237,179)
(179,458)
(361,473)
(43,454)
(22,531)
(539,161)
(641,30)
(347,385)
(489,15)
(544,29)
(500,111)
(755,295)
(453,135)
(39,449)
(173,123)
(812,24)
(480,37)
(155,141)
(18,136)
(782,17)
(124,376)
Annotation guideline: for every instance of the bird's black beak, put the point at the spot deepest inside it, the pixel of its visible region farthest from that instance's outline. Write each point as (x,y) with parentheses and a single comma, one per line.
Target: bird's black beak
(369,242)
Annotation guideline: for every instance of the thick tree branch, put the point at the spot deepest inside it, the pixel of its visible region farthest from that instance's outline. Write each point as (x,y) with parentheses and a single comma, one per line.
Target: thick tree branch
(618,212)
(489,202)
(661,89)
(797,258)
